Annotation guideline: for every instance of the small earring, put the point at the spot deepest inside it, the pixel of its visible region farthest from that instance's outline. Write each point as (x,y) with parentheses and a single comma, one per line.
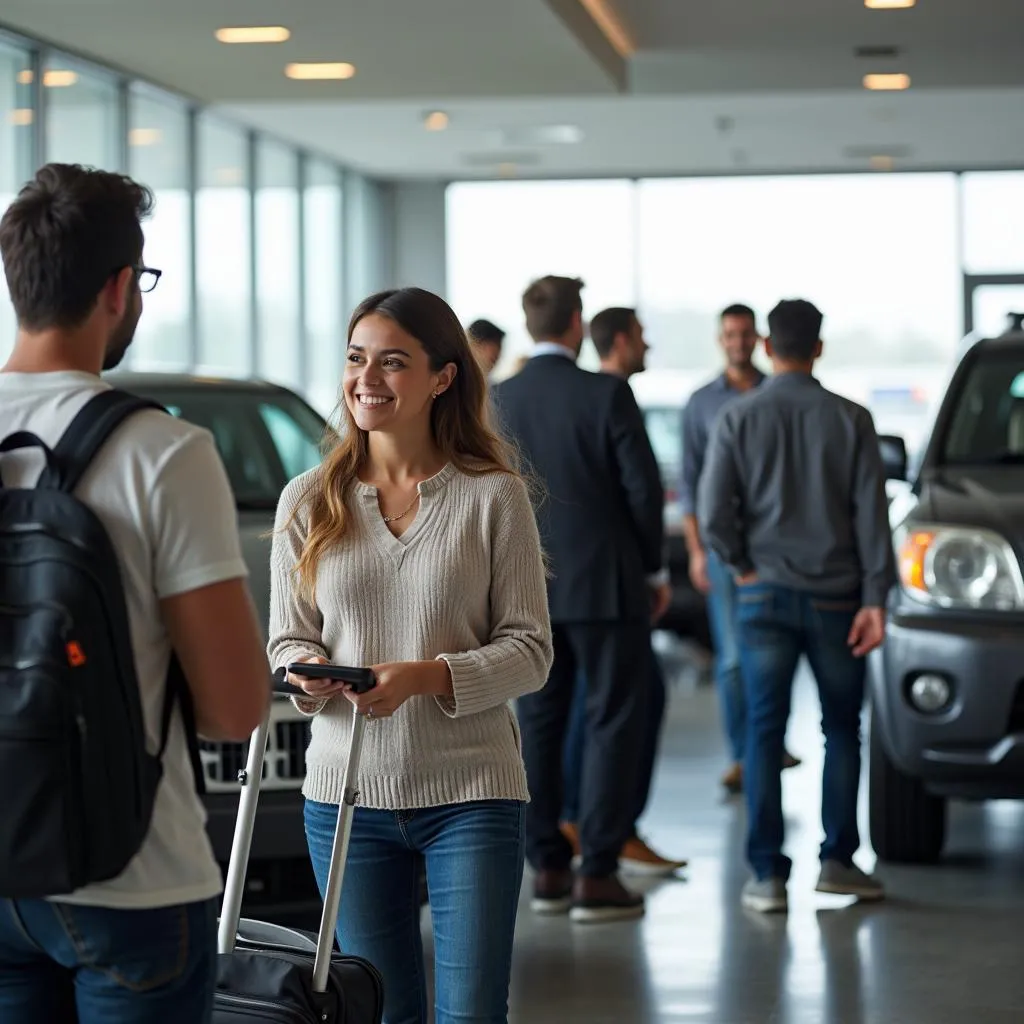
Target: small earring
(436,393)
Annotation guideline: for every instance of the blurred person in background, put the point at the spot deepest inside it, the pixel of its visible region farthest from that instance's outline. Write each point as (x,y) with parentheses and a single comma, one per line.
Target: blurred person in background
(601,525)
(793,503)
(618,337)
(738,337)
(486,340)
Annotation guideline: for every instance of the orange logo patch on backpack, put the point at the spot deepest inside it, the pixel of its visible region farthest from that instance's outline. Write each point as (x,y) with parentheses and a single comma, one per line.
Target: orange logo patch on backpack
(76,656)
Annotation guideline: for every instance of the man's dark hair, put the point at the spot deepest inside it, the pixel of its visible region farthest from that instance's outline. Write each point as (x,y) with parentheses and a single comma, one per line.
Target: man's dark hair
(738,309)
(549,305)
(607,325)
(70,229)
(794,327)
(485,331)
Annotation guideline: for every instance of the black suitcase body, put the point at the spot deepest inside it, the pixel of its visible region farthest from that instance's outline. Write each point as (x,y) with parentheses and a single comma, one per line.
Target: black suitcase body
(269,974)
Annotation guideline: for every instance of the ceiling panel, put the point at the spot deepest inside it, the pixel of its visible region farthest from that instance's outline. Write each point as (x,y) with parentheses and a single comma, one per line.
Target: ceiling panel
(399,47)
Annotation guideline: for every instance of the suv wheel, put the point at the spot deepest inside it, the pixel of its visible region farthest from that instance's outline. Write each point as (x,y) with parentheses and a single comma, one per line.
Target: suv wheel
(908,824)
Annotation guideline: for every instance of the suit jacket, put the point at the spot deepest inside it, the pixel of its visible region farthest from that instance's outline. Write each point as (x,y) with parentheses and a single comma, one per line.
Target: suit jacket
(601,519)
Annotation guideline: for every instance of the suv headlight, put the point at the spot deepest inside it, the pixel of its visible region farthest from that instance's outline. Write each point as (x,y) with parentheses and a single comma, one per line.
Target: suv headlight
(959,567)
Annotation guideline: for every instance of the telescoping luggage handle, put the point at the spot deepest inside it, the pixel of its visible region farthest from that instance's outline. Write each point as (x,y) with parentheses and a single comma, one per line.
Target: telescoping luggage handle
(234,884)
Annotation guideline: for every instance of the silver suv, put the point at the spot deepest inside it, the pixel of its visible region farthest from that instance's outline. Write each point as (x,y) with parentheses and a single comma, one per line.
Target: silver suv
(266,435)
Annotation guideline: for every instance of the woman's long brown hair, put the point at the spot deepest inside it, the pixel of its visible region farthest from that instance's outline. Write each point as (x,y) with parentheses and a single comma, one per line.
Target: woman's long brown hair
(459,420)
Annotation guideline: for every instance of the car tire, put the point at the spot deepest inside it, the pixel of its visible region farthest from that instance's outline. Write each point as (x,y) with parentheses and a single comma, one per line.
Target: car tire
(908,824)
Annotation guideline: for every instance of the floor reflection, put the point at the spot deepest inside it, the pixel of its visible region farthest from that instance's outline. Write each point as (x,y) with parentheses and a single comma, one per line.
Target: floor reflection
(946,948)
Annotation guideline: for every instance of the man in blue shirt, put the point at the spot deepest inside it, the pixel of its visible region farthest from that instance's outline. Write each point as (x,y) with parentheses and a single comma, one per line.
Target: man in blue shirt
(738,336)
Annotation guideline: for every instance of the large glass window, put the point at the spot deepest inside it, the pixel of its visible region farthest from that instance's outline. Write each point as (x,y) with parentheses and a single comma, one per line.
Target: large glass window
(82,119)
(17,133)
(158,157)
(993,206)
(279,327)
(503,235)
(876,253)
(223,250)
(324,299)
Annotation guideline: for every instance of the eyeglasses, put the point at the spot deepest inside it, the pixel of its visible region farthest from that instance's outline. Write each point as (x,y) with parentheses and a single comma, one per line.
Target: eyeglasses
(147,277)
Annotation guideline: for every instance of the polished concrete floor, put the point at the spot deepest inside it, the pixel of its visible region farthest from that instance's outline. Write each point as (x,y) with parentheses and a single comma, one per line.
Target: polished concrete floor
(947,947)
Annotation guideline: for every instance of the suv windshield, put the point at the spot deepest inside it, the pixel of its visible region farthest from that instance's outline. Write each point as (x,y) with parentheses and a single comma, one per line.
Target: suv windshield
(264,438)
(987,422)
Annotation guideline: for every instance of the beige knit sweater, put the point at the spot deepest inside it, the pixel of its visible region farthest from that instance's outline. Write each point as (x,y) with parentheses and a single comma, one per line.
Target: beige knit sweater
(465,583)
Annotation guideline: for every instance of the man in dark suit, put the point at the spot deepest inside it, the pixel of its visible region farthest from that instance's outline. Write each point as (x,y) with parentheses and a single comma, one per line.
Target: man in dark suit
(583,436)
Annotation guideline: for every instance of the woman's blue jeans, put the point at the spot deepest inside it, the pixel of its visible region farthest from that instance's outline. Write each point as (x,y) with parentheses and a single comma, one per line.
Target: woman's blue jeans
(474,855)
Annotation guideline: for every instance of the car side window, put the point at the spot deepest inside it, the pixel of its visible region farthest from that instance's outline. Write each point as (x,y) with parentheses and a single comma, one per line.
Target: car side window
(297,448)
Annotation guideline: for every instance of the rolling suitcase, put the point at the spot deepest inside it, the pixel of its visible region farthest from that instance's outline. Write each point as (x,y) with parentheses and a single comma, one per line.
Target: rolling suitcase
(270,974)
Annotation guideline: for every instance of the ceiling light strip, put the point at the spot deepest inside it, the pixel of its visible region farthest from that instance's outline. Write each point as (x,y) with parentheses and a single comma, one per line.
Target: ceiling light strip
(320,72)
(612,29)
(253,34)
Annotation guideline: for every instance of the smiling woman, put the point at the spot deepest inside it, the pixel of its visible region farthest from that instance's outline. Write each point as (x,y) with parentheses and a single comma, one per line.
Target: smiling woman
(413,550)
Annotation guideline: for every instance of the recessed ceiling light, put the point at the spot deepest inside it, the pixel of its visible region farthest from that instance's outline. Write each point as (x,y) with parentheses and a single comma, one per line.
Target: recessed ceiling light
(26,77)
(881,162)
(436,121)
(21,117)
(144,136)
(889,5)
(887,82)
(320,71)
(59,79)
(253,34)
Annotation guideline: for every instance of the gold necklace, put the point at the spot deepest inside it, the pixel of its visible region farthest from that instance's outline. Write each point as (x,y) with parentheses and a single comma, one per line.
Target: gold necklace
(402,515)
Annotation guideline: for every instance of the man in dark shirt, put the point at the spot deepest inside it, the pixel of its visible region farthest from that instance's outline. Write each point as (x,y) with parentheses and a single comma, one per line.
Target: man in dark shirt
(793,502)
(738,337)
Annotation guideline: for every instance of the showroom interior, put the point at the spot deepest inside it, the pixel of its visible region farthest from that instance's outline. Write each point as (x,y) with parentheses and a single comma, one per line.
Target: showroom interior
(865,154)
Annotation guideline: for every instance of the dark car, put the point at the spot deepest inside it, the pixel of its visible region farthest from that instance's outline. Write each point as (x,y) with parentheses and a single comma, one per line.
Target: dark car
(266,435)
(947,687)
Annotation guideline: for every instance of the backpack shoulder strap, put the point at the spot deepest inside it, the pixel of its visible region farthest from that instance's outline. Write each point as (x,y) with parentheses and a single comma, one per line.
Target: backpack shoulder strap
(177,692)
(86,434)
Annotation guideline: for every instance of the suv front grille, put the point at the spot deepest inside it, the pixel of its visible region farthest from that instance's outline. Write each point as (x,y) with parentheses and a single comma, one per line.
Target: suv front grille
(1017,710)
(284,766)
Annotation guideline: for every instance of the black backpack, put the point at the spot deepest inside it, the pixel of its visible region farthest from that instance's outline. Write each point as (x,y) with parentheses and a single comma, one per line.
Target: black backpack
(77,785)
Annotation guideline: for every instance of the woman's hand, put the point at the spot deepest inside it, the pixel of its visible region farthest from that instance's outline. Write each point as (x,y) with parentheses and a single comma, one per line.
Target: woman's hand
(318,689)
(397,682)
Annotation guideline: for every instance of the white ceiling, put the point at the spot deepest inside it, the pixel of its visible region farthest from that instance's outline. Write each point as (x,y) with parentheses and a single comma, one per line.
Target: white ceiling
(717,86)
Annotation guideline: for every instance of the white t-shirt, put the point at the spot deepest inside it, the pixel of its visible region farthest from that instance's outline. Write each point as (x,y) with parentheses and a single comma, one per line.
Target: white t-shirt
(160,490)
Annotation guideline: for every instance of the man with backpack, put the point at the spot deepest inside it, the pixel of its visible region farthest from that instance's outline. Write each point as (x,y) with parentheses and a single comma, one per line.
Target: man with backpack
(126,627)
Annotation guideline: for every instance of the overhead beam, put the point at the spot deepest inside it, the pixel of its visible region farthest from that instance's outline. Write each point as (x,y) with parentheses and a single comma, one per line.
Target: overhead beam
(601,33)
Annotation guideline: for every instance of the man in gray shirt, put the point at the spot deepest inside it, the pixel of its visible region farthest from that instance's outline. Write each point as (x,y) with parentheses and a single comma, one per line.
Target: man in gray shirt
(793,502)
(738,338)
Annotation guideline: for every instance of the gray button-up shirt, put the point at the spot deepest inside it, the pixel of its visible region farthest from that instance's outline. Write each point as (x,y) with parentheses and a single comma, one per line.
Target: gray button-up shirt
(794,490)
(699,417)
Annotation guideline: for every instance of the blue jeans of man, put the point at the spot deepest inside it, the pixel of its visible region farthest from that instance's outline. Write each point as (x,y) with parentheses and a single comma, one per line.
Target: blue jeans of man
(94,965)
(648,753)
(776,625)
(474,856)
(721,605)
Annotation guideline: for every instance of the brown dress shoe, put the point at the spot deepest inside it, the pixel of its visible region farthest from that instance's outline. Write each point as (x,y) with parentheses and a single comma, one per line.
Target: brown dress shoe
(597,900)
(552,891)
(637,858)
